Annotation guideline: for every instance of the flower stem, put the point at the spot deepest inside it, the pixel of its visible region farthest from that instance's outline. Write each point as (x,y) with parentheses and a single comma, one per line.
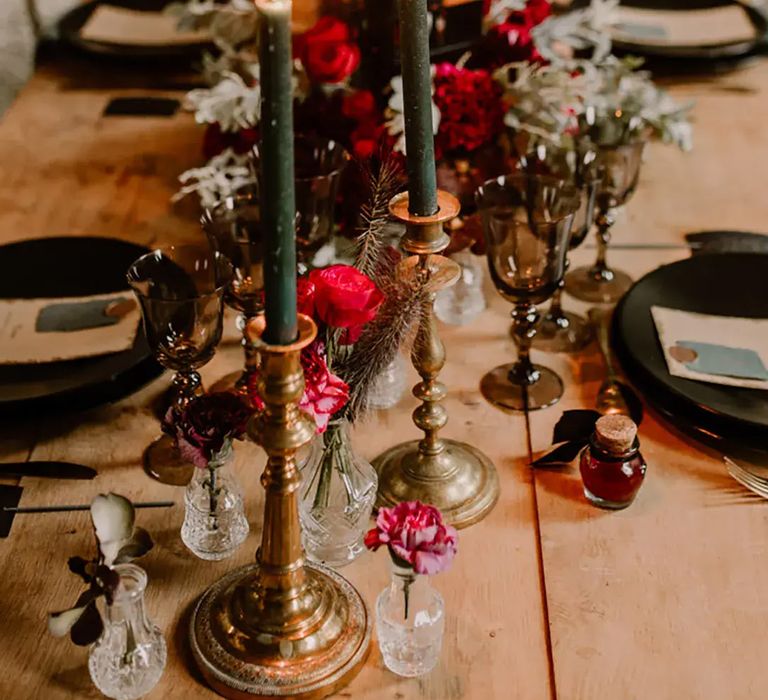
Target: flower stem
(212,496)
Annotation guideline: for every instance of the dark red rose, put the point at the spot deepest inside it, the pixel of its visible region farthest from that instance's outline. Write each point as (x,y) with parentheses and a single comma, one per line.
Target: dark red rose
(471,109)
(206,425)
(215,140)
(359,105)
(327,52)
(511,40)
(345,298)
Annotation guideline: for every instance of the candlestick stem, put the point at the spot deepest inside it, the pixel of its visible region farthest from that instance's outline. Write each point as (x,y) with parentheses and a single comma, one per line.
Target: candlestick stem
(280,627)
(454,476)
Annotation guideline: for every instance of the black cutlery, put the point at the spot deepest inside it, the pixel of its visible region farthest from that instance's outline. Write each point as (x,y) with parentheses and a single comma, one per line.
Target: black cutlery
(47,470)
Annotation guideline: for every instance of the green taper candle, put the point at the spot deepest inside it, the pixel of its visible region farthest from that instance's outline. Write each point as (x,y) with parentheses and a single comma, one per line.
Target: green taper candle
(277,196)
(417,98)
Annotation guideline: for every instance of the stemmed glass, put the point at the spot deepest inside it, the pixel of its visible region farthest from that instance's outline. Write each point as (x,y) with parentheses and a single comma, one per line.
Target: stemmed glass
(234,229)
(180,290)
(620,170)
(319,164)
(560,330)
(526,222)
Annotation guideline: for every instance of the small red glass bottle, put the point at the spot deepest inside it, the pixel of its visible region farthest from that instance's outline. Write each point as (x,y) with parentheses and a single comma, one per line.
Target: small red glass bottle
(612,468)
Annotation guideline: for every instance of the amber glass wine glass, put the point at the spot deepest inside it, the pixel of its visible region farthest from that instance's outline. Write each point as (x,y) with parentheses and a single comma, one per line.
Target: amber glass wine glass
(319,163)
(234,229)
(526,223)
(560,330)
(620,171)
(180,290)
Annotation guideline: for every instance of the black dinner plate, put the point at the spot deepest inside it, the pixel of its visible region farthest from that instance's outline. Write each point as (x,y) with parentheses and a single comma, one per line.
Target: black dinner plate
(727,284)
(70,267)
(74,20)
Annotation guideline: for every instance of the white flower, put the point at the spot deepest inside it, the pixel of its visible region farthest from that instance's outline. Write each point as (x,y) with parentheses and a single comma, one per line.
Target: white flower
(499,11)
(396,106)
(579,30)
(220,178)
(231,103)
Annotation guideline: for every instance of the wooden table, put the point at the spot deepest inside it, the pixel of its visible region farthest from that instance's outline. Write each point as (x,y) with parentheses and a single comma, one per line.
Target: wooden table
(549,597)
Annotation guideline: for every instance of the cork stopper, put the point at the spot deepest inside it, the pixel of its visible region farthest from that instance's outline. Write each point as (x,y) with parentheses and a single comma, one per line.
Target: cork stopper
(615,433)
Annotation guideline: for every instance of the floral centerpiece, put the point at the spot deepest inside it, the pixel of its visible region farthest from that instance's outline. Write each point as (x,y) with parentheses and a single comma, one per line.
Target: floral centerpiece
(364,312)
(409,614)
(214,520)
(128,653)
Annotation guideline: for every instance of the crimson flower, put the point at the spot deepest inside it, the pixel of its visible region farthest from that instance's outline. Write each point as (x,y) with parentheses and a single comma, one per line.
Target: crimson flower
(471,109)
(206,425)
(345,298)
(327,52)
(511,40)
(416,536)
(324,393)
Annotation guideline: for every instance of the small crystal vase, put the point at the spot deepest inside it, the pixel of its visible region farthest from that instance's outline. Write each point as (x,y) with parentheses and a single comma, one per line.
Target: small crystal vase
(390,385)
(129,657)
(338,489)
(214,520)
(410,618)
(463,302)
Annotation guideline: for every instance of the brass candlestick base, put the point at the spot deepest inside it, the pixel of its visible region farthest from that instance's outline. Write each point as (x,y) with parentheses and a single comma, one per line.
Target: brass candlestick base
(457,478)
(280,627)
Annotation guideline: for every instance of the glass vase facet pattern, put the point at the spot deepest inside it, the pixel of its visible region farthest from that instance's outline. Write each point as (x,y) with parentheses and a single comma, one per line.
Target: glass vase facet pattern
(462,302)
(338,489)
(410,619)
(129,657)
(214,519)
(390,386)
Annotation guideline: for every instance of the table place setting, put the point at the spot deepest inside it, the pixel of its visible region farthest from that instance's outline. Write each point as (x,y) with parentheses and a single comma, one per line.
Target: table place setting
(381,202)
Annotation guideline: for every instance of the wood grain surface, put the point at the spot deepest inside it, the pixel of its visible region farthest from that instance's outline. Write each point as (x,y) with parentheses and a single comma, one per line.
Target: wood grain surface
(549,598)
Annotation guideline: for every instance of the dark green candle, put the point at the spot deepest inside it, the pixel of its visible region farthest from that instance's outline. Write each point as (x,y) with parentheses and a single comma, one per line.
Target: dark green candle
(417,99)
(277,197)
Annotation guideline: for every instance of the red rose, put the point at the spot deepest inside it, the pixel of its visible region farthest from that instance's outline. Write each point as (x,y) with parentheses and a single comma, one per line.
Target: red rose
(326,51)
(416,536)
(345,298)
(305,297)
(359,105)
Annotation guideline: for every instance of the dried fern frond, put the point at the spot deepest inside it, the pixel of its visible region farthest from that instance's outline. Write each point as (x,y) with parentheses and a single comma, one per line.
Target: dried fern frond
(381,341)
(382,181)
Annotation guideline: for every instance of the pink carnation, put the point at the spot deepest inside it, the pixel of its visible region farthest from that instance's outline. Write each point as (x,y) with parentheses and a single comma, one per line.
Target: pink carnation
(324,392)
(415,533)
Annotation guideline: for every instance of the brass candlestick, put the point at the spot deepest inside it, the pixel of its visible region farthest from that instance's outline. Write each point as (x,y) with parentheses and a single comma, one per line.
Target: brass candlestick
(454,476)
(280,627)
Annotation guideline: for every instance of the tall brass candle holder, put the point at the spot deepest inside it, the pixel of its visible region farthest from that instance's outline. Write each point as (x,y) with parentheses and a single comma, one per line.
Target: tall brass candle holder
(454,476)
(280,627)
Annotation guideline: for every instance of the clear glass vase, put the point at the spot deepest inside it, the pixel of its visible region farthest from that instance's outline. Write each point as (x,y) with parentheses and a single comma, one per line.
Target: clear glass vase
(129,657)
(464,301)
(410,618)
(214,520)
(389,387)
(338,490)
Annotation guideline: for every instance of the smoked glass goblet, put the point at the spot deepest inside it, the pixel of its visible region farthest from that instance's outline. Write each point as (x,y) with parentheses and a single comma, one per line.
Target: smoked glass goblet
(527,223)
(234,229)
(319,163)
(180,290)
(560,330)
(620,171)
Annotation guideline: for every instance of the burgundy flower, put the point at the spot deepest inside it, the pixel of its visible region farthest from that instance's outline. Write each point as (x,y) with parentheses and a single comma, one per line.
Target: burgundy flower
(416,537)
(327,52)
(206,425)
(215,140)
(471,110)
(345,298)
(511,40)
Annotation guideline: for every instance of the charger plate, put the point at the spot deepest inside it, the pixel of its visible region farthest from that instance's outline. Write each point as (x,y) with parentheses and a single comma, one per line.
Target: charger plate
(70,267)
(727,284)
